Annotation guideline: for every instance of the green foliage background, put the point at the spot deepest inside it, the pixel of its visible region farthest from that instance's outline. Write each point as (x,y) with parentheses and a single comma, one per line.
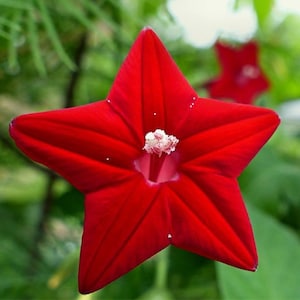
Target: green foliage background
(56,54)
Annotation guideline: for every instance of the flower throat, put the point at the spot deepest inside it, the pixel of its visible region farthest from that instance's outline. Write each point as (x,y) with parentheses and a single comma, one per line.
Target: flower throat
(159,163)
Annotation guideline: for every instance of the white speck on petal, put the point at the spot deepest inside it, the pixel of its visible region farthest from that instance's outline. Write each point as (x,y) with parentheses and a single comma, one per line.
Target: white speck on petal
(107,158)
(154,114)
(108,101)
(158,142)
(169,236)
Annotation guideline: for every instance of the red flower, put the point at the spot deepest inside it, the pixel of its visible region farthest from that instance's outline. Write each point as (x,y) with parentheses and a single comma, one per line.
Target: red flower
(157,165)
(241,78)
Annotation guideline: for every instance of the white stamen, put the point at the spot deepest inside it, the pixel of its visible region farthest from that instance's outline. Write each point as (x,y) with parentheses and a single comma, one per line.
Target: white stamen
(158,142)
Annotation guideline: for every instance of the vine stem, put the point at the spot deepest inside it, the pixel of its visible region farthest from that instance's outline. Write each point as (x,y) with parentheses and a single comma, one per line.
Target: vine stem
(162,266)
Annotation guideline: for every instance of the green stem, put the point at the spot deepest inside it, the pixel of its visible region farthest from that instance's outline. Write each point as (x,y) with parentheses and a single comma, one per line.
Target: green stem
(162,266)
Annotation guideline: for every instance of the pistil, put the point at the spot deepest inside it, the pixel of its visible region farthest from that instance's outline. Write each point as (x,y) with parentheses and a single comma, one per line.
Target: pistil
(159,146)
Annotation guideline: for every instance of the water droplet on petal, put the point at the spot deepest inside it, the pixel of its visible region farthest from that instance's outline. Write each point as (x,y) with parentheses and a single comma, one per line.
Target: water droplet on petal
(154,114)
(107,158)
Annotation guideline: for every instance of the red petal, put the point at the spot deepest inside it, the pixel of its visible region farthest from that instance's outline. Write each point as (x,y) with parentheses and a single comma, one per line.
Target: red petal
(233,58)
(223,137)
(246,94)
(123,226)
(247,54)
(150,92)
(88,145)
(209,218)
(227,57)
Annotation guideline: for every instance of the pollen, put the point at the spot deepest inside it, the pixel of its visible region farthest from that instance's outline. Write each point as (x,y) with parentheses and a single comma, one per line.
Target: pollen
(158,142)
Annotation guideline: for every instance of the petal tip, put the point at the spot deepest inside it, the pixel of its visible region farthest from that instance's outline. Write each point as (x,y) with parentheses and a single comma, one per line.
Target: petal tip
(147,28)
(85,287)
(12,127)
(148,31)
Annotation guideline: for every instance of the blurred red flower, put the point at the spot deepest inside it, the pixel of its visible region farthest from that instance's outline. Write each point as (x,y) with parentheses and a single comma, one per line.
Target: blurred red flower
(241,78)
(157,165)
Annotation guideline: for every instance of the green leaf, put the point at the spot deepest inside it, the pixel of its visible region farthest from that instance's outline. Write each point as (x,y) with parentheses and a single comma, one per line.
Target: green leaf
(64,270)
(4,34)
(262,10)
(15,4)
(271,181)
(98,11)
(8,23)
(76,12)
(13,64)
(33,36)
(53,36)
(277,277)
(70,203)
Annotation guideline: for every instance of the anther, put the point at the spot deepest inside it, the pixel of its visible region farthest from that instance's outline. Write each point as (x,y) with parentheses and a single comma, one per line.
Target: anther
(158,142)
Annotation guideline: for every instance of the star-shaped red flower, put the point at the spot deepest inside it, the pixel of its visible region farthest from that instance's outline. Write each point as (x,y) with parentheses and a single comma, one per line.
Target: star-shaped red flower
(157,165)
(241,78)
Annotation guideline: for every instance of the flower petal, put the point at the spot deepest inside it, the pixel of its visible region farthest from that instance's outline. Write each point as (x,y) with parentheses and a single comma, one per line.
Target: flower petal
(88,145)
(227,57)
(124,225)
(247,54)
(150,92)
(209,218)
(223,137)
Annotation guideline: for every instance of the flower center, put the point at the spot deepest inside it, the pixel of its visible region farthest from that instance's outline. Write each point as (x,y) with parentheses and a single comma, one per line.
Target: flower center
(159,163)
(158,142)
(250,71)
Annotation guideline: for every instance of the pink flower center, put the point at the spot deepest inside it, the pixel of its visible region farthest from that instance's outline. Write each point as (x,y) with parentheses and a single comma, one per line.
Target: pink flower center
(246,74)
(159,163)
(250,71)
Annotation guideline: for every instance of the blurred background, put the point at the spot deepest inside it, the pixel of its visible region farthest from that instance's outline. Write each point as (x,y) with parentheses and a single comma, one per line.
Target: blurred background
(56,54)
